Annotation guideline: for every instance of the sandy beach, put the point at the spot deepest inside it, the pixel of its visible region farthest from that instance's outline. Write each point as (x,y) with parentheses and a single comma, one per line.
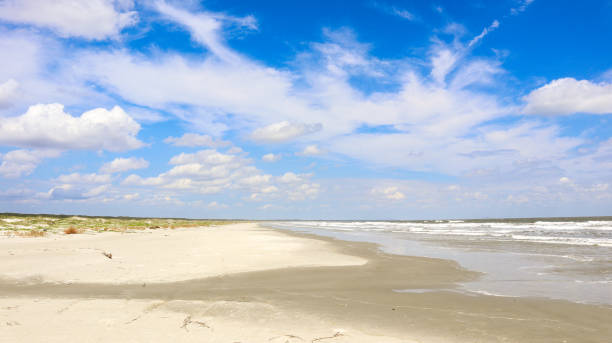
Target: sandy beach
(245,283)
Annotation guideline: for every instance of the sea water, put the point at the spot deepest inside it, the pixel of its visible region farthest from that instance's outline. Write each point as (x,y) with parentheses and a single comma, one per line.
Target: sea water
(559,258)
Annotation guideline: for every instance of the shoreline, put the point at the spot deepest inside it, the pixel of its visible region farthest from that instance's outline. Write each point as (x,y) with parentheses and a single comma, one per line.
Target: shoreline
(355,300)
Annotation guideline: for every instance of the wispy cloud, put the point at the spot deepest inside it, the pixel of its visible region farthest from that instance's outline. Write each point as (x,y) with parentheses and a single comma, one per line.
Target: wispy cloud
(394,11)
(485,31)
(521,6)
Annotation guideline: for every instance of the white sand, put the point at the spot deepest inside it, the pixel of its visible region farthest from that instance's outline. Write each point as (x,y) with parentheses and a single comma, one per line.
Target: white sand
(160,255)
(95,320)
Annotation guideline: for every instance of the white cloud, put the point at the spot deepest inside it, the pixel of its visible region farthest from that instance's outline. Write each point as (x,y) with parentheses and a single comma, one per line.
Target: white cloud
(8,92)
(311,150)
(212,172)
(255,180)
(206,28)
(269,189)
(88,179)
(143,115)
(209,157)
(91,19)
(195,140)
(303,191)
(478,72)
(22,162)
(216,205)
(517,199)
(236,150)
(521,6)
(485,31)
(124,164)
(395,11)
(283,131)
(134,179)
(501,148)
(43,69)
(328,98)
(443,62)
(131,196)
(403,13)
(391,193)
(568,96)
(96,191)
(290,177)
(205,172)
(210,89)
(69,192)
(48,126)
(271,157)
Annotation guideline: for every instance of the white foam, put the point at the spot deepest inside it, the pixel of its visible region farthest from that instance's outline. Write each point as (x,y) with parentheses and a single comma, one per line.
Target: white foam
(594,233)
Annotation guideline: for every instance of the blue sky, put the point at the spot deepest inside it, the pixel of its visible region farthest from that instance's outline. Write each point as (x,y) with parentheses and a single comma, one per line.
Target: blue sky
(312,109)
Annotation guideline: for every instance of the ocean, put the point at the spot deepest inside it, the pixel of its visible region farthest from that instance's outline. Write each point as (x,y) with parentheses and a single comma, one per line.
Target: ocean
(555,258)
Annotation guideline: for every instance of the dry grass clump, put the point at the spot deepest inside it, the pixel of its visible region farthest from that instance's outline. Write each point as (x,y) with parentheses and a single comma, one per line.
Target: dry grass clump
(72,230)
(30,233)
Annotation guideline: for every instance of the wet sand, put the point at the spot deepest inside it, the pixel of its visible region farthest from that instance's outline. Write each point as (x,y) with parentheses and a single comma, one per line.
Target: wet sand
(348,302)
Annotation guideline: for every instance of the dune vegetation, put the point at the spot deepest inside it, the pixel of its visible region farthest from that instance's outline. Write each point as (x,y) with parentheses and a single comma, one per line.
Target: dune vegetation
(38,225)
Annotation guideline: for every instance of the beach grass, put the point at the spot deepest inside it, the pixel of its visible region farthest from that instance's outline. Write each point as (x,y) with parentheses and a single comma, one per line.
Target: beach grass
(30,233)
(38,225)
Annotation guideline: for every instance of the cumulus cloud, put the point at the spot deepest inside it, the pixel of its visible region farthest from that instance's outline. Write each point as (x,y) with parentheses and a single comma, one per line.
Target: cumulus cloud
(91,19)
(8,92)
(211,172)
(49,127)
(91,178)
(22,162)
(124,164)
(271,157)
(290,177)
(206,172)
(568,96)
(196,140)
(283,131)
(302,191)
(311,150)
